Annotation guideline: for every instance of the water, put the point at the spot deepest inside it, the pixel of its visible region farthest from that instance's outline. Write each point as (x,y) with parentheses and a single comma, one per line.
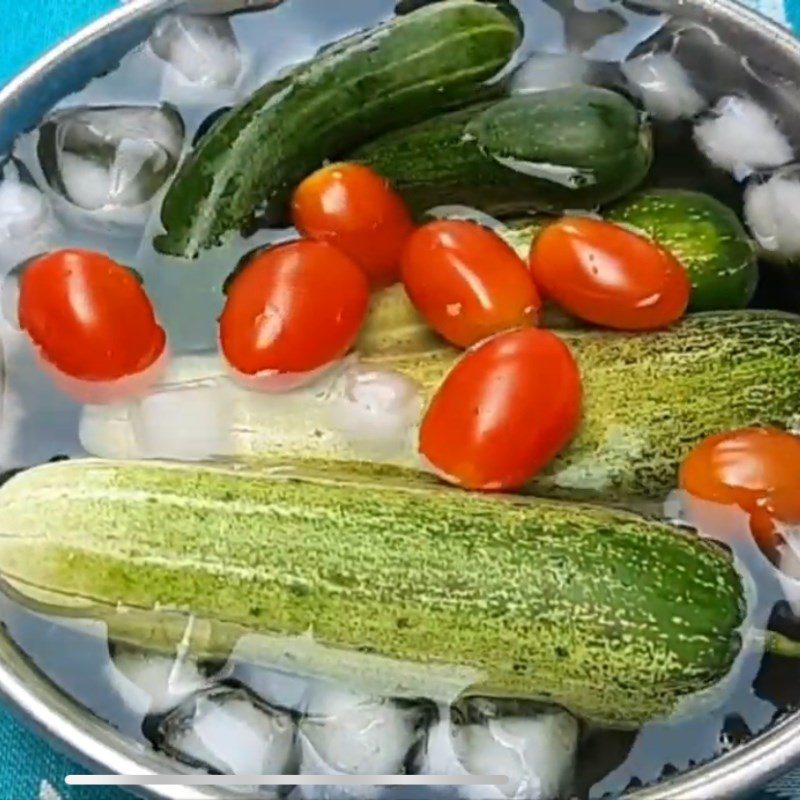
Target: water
(93,177)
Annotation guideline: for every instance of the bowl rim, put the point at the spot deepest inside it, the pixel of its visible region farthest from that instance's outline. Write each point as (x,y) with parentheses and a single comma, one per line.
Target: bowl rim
(71,728)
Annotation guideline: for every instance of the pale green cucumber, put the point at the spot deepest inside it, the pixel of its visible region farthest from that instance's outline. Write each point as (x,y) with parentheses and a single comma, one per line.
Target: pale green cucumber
(648,399)
(394,326)
(360,577)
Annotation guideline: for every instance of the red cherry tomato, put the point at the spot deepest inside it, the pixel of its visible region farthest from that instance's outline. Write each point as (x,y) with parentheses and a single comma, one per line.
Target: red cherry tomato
(755,469)
(608,275)
(467,282)
(355,209)
(504,411)
(91,321)
(292,310)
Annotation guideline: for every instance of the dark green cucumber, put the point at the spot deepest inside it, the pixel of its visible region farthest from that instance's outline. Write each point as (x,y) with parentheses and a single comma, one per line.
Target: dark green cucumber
(579,147)
(398,73)
(406,589)
(705,235)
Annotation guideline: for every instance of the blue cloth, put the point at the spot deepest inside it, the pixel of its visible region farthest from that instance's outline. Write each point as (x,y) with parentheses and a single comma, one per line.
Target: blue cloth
(29,768)
(30,27)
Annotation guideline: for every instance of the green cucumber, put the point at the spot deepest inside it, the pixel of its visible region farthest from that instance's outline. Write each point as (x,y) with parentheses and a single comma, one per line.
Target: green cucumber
(520,233)
(410,589)
(394,325)
(704,235)
(650,398)
(579,147)
(403,71)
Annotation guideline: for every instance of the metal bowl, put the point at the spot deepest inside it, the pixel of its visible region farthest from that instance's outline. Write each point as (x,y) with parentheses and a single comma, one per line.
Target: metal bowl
(92,742)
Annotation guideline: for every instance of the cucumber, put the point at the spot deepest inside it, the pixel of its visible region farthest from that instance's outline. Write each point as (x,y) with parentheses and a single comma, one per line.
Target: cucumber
(520,233)
(394,326)
(648,399)
(704,235)
(578,147)
(411,589)
(403,71)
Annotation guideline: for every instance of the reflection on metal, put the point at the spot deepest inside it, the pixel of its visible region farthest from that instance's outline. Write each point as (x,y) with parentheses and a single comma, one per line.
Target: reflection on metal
(227,6)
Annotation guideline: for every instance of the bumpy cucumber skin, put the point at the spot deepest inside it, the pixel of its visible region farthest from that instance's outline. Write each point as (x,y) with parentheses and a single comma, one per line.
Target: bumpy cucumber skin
(650,398)
(705,235)
(520,233)
(614,617)
(393,325)
(579,148)
(396,74)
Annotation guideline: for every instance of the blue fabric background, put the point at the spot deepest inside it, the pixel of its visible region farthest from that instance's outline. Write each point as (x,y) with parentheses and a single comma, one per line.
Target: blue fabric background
(29,768)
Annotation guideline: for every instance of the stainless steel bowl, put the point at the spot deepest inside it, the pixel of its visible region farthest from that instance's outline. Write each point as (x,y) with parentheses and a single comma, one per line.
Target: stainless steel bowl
(92,742)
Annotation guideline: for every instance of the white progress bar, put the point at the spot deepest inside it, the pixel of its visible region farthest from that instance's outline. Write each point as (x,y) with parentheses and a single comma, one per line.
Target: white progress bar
(287,780)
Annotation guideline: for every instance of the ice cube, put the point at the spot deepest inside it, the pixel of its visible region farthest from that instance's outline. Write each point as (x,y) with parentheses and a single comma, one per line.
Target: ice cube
(256,423)
(152,681)
(378,409)
(533,746)
(741,137)
(110,161)
(438,755)
(231,731)
(772,211)
(664,86)
(352,734)
(203,50)
(550,71)
(190,421)
(274,686)
(26,219)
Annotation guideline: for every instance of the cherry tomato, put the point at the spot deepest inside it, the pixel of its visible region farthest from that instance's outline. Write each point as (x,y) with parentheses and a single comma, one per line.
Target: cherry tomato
(355,209)
(90,320)
(291,311)
(607,275)
(755,469)
(467,282)
(503,412)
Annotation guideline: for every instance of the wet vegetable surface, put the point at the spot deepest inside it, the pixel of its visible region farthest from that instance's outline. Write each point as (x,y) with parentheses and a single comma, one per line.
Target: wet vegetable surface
(507,218)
